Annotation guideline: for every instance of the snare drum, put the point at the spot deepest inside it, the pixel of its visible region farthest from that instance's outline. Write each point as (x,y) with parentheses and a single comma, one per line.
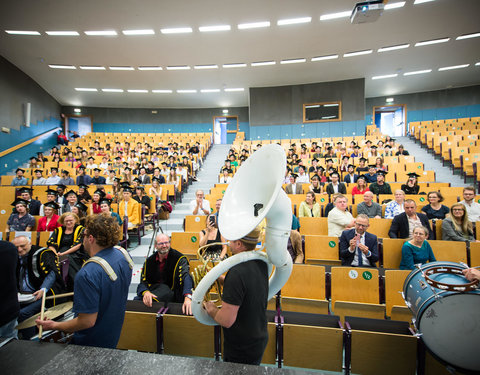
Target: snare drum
(446,308)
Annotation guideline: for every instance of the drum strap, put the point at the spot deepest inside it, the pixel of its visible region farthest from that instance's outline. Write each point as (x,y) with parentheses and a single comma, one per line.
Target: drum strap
(107,267)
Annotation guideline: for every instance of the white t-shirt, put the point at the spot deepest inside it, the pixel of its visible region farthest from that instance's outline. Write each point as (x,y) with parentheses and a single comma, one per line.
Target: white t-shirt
(205,205)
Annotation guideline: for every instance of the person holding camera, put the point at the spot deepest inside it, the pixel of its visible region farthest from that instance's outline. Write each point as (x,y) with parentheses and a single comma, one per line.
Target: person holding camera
(211,234)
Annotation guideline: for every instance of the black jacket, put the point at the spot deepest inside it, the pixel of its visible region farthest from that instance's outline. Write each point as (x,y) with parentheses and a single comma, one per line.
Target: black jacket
(347,257)
(342,189)
(34,207)
(400,228)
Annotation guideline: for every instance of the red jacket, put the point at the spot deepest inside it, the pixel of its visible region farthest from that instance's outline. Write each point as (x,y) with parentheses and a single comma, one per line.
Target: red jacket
(52,225)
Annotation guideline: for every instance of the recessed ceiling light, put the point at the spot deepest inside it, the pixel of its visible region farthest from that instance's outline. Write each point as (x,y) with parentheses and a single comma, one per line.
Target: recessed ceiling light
(138,91)
(263,63)
(358,53)
(225,111)
(62,33)
(207,29)
(477,64)
(253,25)
(434,41)
(177,30)
(422,1)
(468,36)
(91,67)
(77,110)
(417,72)
(332,16)
(394,5)
(453,67)
(121,68)
(186,91)
(294,21)
(162,91)
(85,89)
(234,65)
(178,67)
(212,66)
(327,57)
(101,33)
(389,100)
(293,61)
(150,68)
(393,48)
(56,66)
(206,91)
(385,76)
(22,32)
(139,32)
(112,90)
(235,89)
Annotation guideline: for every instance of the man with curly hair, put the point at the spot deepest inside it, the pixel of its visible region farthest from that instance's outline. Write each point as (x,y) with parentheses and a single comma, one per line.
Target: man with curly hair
(101,287)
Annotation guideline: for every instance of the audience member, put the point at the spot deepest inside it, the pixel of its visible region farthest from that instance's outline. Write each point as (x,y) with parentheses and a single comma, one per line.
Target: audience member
(294,246)
(316,186)
(225,178)
(49,222)
(199,205)
(339,218)
(361,187)
(358,248)
(396,206)
(371,176)
(302,176)
(66,179)
(351,177)
(96,197)
(473,208)
(97,179)
(361,166)
(368,207)
(401,151)
(456,226)
(54,178)
(105,207)
(380,187)
(72,199)
(294,187)
(39,179)
(335,186)
(129,208)
(411,186)
(403,224)
(309,207)
(82,177)
(19,179)
(435,210)
(20,220)
(417,250)
(211,235)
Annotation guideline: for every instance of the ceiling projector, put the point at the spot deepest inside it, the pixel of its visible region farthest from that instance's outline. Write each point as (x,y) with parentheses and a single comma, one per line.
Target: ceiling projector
(367,11)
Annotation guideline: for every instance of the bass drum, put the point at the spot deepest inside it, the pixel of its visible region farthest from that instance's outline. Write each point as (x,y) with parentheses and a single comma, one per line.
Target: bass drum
(446,308)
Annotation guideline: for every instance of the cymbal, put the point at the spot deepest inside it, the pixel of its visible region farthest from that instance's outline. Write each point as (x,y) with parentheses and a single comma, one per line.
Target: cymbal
(51,313)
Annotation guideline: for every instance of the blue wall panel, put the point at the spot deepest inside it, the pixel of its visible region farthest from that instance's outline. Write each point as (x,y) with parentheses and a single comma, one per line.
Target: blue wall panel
(444,113)
(151,128)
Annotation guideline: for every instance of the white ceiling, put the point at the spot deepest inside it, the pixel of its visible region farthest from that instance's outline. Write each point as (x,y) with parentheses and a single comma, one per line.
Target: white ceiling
(409,24)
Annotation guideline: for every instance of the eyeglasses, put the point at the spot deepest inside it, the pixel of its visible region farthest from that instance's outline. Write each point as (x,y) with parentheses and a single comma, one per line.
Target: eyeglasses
(361,225)
(163,243)
(458,209)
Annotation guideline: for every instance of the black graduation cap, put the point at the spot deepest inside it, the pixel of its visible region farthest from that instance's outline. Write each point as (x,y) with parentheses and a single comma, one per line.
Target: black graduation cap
(99,192)
(125,184)
(81,206)
(117,179)
(106,200)
(387,145)
(381,172)
(293,145)
(362,177)
(83,186)
(392,139)
(334,173)
(25,190)
(137,180)
(321,169)
(128,189)
(339,143)
(368,141)
(156,179)
(53,205)
(61,186)
(81,166)
(345,157)
(51,192)
(118,158)
(71,192)
(371,166)
(373,146)
(356,147)
(38,171)
(350,166)
(413,174)
(20,201)
(314,159)
(20,169)
(33,158)
(65,171)
(140,187)
(97,169)
(127,169)
(363,159)
(331,160)
(294,175)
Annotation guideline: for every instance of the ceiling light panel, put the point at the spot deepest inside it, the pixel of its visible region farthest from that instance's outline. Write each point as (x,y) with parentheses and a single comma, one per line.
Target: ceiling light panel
(425,71)
(212,66)
(160,91)
(178,67)
(86,89)
(294,21)
(416,2)
(235,89)
(234,65)
(91,67)
(136,91)
(393,48)
(62,33)
(399,4)
(358,53)
(59,66)
(433,41)
(101,33)
(327,57)
(207,91)
(186,91)
(468,36)
(22,32)
(112,90)
(177,30)
(332,16)
(263,63)
(385,76)
(453,67)
(139,32)
(213,28)
(293,61)
(121,68)
(150,68)
(253,25)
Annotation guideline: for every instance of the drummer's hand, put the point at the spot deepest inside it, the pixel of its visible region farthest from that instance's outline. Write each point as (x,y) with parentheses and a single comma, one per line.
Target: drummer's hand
(38,294)
(187,306)
(46,324)
(472,274)
(147,298)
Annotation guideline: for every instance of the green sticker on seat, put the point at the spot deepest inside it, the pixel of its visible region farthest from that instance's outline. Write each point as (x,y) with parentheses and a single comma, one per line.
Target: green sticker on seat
(422,199)
(193,239)
(223,191)
(419,167)
(367,275)
(331,243)
(322,200)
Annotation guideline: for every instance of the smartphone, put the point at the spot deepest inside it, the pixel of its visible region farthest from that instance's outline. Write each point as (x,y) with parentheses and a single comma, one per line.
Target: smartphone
(211,220)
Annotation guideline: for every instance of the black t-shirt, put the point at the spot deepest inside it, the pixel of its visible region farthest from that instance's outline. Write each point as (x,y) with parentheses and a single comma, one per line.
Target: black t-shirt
(246,285)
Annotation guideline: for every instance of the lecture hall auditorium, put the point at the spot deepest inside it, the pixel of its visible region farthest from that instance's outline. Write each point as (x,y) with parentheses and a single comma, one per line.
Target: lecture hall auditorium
(99,90)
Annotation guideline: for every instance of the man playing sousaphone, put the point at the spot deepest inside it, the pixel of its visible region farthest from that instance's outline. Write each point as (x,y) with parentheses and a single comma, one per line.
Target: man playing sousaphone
(243,312)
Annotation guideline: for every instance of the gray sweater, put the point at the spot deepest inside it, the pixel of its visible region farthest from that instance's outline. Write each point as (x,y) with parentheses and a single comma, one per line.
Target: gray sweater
(449,233)
(374,210)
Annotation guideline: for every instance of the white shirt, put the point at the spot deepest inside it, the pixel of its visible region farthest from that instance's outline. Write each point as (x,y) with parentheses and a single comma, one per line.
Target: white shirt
(365,261)
(473,211)
(337,221)
(205,205)
(39,181)
(393,209)
(52,180)
(303,179)
(225,180)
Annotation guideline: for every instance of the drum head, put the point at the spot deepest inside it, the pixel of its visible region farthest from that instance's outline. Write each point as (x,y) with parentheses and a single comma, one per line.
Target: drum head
(450,328)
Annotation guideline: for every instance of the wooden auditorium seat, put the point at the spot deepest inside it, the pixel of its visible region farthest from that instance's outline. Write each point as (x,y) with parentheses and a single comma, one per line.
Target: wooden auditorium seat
(322,250)
(394,280)
(392,252)
(450,251)
(313,225)
(195,223)
(186,243)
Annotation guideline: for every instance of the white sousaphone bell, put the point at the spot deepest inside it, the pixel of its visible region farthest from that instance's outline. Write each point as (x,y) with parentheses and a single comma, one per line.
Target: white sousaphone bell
(255,193)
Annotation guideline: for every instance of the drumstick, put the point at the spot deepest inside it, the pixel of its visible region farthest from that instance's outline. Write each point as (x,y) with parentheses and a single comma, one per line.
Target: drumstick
(60,295)
(40,329)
